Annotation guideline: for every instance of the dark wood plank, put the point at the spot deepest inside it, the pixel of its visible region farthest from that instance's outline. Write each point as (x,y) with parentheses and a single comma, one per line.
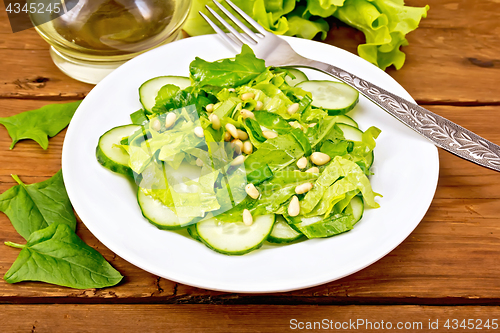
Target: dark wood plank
(32,74)
(449,59)
(204,318)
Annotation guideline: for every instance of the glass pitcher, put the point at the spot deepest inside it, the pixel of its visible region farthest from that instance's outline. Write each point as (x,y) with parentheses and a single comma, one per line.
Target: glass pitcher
(94,37)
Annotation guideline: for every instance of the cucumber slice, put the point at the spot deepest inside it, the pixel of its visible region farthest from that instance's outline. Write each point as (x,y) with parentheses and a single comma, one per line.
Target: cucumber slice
(299,77)
(336,97)
(357,208)
(193,233)
(343,119)
(282,233)
(355,134)
(149,89)
(158,214)
(235,238)
(112,157)
(351,133)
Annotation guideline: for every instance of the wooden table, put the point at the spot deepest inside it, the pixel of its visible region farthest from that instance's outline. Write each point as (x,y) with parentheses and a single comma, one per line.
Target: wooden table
(448,268)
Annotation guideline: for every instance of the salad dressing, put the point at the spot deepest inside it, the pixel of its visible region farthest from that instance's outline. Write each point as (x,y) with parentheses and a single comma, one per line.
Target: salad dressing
(115,25)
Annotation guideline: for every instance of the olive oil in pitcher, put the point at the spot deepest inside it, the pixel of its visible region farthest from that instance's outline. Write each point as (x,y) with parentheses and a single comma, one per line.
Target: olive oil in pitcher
(96,36)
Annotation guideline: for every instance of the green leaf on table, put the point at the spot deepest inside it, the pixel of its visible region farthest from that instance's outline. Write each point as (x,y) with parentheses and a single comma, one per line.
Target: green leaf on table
(57,255)
(36,206)
(39,124)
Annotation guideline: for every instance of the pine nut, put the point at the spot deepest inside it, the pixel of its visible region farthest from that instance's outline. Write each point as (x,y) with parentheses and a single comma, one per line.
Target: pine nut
(252,191)
(227,136)
(248,95)
(199,162)
(294,206)
(238,160)
(302,162)
(198,131)
(247,217)
(259,106)
(231,90)
(242,135)
(313,170)
(269,134)
(293,108)
(209,108)
(170,120)
(232,130)
(320,158)
(312,124)
(237,145)
(247,114)
(247,147)
(215,121)
(303,188)
(156,125)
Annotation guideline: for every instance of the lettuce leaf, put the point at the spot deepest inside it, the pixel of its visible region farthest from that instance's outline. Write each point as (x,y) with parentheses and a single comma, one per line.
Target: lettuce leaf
(275,193)
(301,25)
(323,8)
(339,178)
(385,24)
(316,227)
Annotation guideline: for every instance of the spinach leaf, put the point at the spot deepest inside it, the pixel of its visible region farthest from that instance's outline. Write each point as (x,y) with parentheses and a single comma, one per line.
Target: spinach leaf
(228,73)
(40,123)
(57,255)
(260,175)
(164,95)
(36,206)
(277,153)
(254,131)
(179,99)
(324,130)
(336,147)
(273,121)
(302,140)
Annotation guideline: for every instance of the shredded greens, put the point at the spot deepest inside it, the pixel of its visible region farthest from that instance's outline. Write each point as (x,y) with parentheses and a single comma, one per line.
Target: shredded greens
(199,166)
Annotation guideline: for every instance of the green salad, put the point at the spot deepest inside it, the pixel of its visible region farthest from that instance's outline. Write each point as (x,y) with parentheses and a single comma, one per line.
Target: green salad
(239,154)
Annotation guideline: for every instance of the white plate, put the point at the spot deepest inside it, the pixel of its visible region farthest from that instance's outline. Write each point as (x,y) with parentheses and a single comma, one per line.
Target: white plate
(406,172)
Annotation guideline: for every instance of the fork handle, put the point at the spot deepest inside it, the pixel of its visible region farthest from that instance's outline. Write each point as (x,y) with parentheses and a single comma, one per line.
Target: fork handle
(441,131)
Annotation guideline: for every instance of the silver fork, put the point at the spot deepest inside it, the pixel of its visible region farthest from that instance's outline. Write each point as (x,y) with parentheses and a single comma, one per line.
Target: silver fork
(277,52)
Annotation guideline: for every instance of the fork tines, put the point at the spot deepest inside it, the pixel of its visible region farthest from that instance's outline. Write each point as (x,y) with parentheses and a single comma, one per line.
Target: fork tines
(248,37)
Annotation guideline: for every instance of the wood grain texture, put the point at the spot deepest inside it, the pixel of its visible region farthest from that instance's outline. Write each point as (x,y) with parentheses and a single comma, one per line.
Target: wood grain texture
(452,58)
(451,257)
(239,319)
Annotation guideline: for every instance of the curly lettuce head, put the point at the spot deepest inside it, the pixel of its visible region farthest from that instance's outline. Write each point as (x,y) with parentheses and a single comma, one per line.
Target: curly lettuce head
(385,23)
